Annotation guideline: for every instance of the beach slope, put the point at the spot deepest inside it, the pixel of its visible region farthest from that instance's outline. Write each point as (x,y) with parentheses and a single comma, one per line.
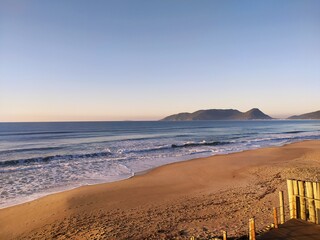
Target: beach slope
(199,197)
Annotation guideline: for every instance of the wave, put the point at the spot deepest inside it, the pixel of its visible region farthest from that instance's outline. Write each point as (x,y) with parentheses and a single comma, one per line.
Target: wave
(167,147)
(183,135)
(294,132)
(214,143)
(32,133)
(284,138)
(53,158)
(173,146)
(144,150)
(29,150)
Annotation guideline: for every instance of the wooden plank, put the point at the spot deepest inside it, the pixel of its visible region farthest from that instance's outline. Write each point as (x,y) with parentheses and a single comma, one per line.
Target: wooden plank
(281,209)
(296,204)
(316,189)
(310,201)
(301,185)
(292,230)
(290,197)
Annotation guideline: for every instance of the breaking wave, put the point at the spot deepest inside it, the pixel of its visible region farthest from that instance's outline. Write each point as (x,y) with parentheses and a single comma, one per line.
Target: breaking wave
(53,158)
(192,144)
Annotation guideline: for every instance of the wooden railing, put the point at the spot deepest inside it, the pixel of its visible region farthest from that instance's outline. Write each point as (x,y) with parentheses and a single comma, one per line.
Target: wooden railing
(304,200)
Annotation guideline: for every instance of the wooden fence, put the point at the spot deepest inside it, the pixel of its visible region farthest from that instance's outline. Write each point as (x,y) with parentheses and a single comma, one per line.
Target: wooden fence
(304,200)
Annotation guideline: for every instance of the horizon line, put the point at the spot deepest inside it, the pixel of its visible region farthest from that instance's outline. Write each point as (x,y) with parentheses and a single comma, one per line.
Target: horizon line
(79,121)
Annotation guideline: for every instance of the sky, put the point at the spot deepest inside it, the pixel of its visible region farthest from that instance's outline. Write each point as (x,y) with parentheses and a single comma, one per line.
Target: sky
(111,60)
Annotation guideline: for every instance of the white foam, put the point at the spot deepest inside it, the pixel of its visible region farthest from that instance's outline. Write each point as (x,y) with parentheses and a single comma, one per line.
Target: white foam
(27,182)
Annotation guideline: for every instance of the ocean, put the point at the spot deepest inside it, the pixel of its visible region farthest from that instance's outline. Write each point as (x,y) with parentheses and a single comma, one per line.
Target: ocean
(37,159)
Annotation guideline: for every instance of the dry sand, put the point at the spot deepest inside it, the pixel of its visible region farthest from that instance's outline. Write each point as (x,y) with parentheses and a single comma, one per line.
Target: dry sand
(199,197)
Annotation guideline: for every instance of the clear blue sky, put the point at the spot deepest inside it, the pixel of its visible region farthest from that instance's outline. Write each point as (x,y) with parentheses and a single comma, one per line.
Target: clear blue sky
(119,60)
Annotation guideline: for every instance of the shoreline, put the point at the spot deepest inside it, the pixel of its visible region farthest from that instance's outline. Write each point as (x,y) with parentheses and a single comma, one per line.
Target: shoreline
(139,173)
(162,190)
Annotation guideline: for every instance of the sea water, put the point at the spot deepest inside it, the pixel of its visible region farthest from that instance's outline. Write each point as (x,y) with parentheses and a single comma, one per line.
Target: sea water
(37,159)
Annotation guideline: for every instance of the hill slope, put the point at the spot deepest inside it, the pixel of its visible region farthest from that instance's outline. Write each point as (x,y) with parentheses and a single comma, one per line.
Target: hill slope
(312,115)
(218,114)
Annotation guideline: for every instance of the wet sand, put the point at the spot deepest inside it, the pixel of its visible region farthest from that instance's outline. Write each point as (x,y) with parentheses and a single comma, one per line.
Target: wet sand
(198,198)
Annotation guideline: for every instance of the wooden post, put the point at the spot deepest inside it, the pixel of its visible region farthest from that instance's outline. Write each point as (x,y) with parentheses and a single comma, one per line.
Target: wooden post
(316,192)
(275,217)
(252,229)
(290,197)
(224,235)
(281,209)
(302,200)
(311,205)
(296,202)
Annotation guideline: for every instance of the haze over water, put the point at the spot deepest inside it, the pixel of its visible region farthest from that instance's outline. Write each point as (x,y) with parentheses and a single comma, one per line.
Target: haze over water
(40,158)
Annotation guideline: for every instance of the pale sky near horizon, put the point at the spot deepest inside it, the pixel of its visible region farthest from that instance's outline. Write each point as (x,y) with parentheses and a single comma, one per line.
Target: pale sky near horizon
(143,60)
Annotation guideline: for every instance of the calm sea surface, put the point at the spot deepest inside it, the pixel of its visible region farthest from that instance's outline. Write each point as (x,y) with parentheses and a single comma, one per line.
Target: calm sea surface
(41,158)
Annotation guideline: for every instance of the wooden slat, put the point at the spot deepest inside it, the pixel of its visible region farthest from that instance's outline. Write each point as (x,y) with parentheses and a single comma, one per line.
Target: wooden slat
(316,189)
(301,185)
(290,197)
(311,205)
(296,204)
(281,209)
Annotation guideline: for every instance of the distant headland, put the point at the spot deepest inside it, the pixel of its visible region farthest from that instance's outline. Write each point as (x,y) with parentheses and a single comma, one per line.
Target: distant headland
(312,115)
(233,114)
(218,114)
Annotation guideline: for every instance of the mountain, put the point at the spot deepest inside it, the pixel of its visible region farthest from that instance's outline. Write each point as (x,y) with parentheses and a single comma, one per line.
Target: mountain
(218,114)
(312,115)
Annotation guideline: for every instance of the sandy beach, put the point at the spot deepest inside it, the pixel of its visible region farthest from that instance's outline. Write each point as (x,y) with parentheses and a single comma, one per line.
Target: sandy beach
(198,198)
